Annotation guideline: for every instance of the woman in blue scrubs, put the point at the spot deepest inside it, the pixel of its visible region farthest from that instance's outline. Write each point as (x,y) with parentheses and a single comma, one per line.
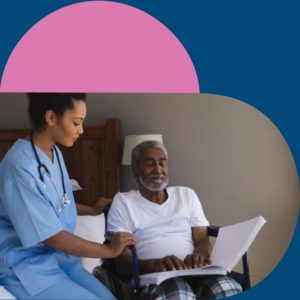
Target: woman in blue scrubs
(39,253)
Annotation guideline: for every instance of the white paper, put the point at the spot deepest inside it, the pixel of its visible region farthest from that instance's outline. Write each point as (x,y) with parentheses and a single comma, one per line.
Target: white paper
(159,277)
(75,185)
(231,244)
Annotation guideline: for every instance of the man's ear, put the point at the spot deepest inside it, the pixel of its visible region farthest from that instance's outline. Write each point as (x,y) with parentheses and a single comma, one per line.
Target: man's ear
(50,118)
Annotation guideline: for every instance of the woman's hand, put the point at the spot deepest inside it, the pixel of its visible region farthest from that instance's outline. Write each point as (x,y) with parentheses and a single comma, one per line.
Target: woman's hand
(119,241)
(100,204)
(96,209)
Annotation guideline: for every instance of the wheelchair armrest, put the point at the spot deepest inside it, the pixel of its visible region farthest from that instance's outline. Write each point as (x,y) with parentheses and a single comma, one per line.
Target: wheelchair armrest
(213,230)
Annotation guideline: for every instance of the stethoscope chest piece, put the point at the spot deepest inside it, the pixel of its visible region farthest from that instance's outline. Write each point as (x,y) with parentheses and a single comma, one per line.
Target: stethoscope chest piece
(65,201)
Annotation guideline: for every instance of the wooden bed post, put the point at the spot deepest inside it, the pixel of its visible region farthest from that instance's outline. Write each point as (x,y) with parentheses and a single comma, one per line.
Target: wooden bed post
(113,157)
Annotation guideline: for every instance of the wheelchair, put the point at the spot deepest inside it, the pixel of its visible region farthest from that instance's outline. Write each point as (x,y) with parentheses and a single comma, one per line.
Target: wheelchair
(133,288)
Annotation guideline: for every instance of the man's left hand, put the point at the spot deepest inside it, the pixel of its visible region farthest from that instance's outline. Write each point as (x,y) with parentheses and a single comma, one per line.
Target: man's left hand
(196,260)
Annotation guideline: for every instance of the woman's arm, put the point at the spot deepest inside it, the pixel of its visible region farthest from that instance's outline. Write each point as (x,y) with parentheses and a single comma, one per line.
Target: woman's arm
(94,210)
(77,246)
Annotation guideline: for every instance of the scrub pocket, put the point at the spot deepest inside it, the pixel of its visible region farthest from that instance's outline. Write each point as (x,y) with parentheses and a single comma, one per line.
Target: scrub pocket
(38,273)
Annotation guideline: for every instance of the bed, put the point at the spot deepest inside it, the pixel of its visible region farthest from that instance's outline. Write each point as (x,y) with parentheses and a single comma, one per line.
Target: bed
(94,162)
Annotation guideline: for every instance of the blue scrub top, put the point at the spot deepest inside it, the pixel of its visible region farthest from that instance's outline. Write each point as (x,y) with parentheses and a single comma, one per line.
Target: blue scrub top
(29,214)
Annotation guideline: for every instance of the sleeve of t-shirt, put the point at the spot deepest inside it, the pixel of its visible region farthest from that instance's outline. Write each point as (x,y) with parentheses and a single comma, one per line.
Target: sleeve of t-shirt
(118,217)
(197,216)
(31,214)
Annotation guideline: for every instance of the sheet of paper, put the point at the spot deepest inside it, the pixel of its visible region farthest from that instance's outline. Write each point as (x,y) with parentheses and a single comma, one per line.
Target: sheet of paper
(75,185)
(233,241)
(231,244)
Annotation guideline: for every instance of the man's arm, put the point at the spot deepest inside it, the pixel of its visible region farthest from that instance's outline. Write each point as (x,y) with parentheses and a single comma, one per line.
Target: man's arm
(202,248)
(201,241)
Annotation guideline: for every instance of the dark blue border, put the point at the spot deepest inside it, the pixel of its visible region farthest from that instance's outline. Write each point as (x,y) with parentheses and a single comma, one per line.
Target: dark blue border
(247,49)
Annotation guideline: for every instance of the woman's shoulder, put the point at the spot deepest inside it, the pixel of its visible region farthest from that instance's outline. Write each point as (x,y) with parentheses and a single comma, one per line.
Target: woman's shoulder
(17,157)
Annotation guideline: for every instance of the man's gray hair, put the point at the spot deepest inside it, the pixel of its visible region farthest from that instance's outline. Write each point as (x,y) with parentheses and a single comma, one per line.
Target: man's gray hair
(138,149)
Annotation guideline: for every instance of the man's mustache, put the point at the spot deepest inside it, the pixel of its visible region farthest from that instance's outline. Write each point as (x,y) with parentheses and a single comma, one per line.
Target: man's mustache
(157,177)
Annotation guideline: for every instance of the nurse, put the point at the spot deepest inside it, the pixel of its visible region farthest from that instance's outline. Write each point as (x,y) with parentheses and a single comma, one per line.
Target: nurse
(39,253)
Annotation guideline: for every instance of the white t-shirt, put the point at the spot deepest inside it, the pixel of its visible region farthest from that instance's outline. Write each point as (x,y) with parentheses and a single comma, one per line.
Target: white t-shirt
(160,229)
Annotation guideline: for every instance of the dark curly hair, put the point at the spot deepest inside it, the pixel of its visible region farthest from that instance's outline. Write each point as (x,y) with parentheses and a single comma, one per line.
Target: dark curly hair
(39,103)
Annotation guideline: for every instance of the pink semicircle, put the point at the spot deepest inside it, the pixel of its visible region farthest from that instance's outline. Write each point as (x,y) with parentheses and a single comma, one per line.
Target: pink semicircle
(99,46)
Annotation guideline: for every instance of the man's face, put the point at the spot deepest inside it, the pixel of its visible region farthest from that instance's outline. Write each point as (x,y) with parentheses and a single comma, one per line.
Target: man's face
(152,171)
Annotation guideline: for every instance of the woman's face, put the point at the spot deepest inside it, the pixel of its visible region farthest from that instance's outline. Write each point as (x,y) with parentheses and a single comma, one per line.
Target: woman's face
(68,127)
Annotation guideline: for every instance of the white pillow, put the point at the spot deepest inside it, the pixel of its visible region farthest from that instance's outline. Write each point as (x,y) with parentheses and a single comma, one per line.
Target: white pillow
(91,228)
(5,294)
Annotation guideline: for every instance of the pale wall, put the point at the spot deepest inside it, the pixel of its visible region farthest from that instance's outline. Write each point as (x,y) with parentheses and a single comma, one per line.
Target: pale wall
(231,154)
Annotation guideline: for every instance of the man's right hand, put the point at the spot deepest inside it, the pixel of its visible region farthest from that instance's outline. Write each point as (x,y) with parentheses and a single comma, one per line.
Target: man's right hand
(119,241)
(168,263)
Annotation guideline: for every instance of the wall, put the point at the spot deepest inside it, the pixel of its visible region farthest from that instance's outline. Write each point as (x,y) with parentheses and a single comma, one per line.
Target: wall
(230,153)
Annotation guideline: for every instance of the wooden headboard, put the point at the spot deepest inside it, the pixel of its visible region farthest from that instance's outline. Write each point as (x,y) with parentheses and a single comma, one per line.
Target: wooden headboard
(94,160)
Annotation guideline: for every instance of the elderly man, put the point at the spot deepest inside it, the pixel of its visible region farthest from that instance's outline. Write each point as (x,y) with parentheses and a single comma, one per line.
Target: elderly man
(170,228)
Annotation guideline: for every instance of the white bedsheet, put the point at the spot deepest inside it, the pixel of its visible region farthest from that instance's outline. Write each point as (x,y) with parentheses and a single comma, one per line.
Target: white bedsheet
(5,294)
(91,228)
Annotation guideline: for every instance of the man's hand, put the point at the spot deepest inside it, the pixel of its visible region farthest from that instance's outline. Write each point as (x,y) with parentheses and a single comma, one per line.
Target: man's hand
(168,263)
(196,260)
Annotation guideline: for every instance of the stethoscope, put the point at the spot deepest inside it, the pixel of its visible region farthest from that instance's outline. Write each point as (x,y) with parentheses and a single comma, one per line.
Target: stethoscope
(64,201)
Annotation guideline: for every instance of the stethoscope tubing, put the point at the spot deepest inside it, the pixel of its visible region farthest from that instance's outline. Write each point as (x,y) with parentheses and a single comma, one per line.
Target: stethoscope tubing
(41,166)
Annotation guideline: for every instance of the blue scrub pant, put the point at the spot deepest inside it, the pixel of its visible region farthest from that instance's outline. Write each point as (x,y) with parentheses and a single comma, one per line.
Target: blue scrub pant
(80,285)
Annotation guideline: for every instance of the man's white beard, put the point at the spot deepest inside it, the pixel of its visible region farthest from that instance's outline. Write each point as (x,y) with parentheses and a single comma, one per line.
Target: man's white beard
(154,186)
